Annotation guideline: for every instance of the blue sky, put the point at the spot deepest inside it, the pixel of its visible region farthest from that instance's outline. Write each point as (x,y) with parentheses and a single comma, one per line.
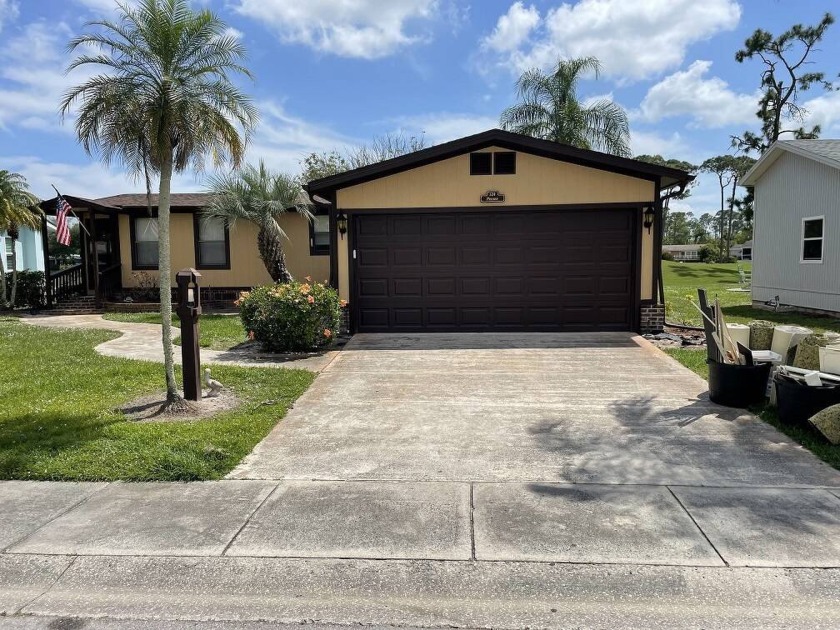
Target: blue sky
(335,73)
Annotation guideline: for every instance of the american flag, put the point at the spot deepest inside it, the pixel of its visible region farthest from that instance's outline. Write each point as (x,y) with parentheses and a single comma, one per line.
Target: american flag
(62,230)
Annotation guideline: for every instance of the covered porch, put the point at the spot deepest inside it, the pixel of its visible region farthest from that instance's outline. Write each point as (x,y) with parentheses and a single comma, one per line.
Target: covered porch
(98,276)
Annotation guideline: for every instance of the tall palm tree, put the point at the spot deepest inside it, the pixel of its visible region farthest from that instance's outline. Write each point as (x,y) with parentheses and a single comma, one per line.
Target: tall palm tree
(549,108)
(258,195)
(163,102)
(18,208)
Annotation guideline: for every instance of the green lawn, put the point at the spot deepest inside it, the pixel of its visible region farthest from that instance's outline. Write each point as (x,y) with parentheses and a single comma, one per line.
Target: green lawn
(216,332)
(683,279)
(58,418)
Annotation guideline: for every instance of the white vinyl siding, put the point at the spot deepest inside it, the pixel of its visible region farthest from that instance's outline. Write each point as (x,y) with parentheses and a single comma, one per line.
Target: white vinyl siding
(795,188)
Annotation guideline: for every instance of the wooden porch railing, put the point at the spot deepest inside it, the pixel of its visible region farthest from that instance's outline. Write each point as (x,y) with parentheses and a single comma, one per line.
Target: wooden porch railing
(110,281)
(67,282)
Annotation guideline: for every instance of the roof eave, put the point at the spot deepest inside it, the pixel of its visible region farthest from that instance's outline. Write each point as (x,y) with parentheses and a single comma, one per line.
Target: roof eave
(504,139)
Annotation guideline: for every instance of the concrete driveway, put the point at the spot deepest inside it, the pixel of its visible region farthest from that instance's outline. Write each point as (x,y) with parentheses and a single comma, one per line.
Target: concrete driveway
(602,408)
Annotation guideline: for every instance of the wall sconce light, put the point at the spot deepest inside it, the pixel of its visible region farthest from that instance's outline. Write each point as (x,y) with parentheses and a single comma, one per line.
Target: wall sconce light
(341,222)
(650,213)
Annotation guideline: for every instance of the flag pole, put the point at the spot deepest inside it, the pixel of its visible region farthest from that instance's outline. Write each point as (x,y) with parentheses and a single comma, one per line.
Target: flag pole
(82,225)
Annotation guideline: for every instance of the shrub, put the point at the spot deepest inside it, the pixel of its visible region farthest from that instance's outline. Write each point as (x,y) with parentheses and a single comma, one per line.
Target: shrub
(31,289)
(706,254)
(292,317)
(667,256)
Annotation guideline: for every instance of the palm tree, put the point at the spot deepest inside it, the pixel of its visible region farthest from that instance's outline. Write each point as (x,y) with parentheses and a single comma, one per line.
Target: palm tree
(550,109)
(18,208)
(260,196)
(163,102)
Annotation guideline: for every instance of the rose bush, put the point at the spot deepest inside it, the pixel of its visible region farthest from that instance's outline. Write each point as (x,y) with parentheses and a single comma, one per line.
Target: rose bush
(291,317)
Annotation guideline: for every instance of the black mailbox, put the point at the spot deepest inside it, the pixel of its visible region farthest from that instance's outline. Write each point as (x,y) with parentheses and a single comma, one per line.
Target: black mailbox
(189,311)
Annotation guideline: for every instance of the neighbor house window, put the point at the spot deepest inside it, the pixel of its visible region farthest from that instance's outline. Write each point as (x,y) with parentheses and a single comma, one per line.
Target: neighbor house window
(212,243)
(812,239)
(144,243)
(498,163)
(319,235)
(9,246)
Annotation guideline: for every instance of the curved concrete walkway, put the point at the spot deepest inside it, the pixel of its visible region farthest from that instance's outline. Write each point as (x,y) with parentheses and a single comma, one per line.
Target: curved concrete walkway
(142,342)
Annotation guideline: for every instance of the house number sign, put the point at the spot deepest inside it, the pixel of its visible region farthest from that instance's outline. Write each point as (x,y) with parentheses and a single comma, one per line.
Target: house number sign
(492,196)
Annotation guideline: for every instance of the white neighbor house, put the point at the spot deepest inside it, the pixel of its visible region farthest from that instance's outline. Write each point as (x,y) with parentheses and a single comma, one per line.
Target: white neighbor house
(690,252)
(797,224)
(30,251)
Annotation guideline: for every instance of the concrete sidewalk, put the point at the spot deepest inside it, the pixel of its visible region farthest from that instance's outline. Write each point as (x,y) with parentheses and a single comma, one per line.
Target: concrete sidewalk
(143,342)
(423,554)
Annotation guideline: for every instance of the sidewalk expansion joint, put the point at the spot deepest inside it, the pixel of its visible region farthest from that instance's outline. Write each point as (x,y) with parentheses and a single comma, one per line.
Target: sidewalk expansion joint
(697,525)
(250,516)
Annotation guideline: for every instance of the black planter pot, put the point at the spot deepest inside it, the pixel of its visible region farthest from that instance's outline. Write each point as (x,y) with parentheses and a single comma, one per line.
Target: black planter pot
(798,402)
(738,385)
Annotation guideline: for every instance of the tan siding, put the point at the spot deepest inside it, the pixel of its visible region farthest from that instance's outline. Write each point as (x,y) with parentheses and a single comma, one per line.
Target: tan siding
(538,181)
(247,268)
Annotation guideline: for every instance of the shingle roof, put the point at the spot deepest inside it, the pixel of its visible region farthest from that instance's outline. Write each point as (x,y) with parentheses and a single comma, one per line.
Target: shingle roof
(826,148)
(823,151)
(138,200)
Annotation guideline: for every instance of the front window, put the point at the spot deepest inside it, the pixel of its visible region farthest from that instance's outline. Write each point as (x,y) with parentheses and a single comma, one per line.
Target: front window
(812,239)
(319,235)
(145,243)
(212,248)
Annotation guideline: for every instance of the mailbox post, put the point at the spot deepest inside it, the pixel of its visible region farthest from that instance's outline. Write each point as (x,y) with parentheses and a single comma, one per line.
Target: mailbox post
(189,310)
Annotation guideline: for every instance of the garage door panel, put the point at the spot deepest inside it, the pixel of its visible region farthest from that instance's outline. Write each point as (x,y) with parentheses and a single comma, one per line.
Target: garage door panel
(509,286)
(372,257)
(406,256)
(407,287)
(441,255)
(373,287)
(495,271)
(475,256)
(475,286)
(441,286)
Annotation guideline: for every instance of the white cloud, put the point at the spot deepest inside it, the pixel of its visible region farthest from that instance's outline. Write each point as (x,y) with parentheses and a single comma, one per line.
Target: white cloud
(444,126)
(90,179)
(32,73)
(652,143)
(633,40)
(9,11)
(366,29)
(283,140)
(708,101)
(513,28)
(823,110)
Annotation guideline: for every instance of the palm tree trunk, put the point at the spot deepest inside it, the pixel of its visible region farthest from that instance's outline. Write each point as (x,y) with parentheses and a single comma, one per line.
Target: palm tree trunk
(165,269)
(274,258)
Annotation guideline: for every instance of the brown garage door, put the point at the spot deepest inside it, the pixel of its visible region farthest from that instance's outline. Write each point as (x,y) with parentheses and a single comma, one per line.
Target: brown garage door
(504,270)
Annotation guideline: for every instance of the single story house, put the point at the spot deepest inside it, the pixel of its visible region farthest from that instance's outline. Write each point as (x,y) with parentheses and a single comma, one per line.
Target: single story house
(499,231)
(120,250)
(689,252)
(28,248)
(797,225)
(742,251)
(495,231)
